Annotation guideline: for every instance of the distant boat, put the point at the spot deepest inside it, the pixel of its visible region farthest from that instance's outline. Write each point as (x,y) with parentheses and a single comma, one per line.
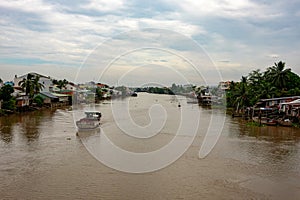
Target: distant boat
(205,97)
(90,121)
(205,100)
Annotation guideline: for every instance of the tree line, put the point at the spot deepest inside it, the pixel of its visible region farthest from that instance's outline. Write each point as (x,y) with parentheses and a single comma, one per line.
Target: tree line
(275,81)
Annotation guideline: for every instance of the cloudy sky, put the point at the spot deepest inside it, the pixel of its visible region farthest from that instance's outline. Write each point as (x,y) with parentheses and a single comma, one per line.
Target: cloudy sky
(118,41)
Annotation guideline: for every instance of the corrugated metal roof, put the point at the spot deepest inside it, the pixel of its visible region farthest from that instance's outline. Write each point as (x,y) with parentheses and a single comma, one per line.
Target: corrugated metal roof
(59,95)
(48,94)
(281,98)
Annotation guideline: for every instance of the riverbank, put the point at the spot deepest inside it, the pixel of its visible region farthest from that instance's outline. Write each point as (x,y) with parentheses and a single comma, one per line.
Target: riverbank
(4,113)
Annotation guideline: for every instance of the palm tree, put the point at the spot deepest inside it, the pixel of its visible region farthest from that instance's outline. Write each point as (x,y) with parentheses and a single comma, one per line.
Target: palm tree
(37,86)
(278,76)
(255,77)
(27,85)
(267,90)
(241,95)
(31,85)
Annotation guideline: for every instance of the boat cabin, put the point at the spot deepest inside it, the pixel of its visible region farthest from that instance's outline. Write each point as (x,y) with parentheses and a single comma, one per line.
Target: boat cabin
(93,115)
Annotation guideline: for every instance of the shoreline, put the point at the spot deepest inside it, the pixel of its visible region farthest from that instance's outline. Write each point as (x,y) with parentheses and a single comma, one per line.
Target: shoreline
(31,109)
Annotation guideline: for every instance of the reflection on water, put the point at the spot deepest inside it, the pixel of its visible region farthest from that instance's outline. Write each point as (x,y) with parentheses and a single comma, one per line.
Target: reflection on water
(25,124)
(275,147)
(41,158)
(269,133)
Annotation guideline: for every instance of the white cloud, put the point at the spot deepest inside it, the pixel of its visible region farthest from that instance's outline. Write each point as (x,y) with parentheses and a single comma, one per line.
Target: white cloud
(36,6)
(173,25)
(104,5)
(226,8)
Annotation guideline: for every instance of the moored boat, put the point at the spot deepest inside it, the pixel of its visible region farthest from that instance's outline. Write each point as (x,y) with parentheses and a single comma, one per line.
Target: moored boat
(285,122)
(266,121)
(90,121)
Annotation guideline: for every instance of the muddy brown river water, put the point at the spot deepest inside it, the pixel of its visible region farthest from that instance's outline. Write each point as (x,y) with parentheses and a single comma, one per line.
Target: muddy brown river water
(42,158)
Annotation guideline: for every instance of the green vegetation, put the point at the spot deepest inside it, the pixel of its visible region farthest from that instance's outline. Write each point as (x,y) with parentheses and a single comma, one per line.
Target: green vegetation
(38,100)
(174,89)
(99,94)
(60,83)
(276,81)
(31,85)
(296,125)
(9,102)
(251,123)
(158,90)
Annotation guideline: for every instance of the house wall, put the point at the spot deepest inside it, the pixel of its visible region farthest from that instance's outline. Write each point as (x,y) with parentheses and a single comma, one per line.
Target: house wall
(22,101)
(47,83)
(63,99)
(70,87)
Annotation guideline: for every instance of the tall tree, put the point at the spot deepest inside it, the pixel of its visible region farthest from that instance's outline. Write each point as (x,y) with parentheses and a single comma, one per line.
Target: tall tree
(255,77)
(5,92)
(27,85)
(278,75)
(9,102)
(31,85)
(37,86)
(241,94)
(266,90)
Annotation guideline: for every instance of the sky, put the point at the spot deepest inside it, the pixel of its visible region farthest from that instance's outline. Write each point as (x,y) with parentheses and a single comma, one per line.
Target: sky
(136,42)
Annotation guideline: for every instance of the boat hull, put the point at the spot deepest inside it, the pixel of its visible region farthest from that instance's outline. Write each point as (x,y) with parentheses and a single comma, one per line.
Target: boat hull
(87,124)
(285,123)
(265,121)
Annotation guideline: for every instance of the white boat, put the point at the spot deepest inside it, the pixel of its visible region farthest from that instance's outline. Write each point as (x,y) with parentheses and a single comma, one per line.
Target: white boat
(90,121)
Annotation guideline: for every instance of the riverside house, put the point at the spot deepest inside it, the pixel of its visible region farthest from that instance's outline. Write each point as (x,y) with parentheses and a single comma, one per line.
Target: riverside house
(45,80)
(275,102)
(281,106)
(54,99)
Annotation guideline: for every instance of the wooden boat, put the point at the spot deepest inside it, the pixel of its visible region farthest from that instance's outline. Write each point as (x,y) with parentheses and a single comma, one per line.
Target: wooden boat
(85,133)
(90,121)
(285,122)
(266,121)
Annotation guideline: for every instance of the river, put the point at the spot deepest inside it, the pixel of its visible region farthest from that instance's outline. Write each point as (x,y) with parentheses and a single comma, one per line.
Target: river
(42,158)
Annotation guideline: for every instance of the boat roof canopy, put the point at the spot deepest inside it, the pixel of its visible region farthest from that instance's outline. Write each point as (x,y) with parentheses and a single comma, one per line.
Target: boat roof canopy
(91,112)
